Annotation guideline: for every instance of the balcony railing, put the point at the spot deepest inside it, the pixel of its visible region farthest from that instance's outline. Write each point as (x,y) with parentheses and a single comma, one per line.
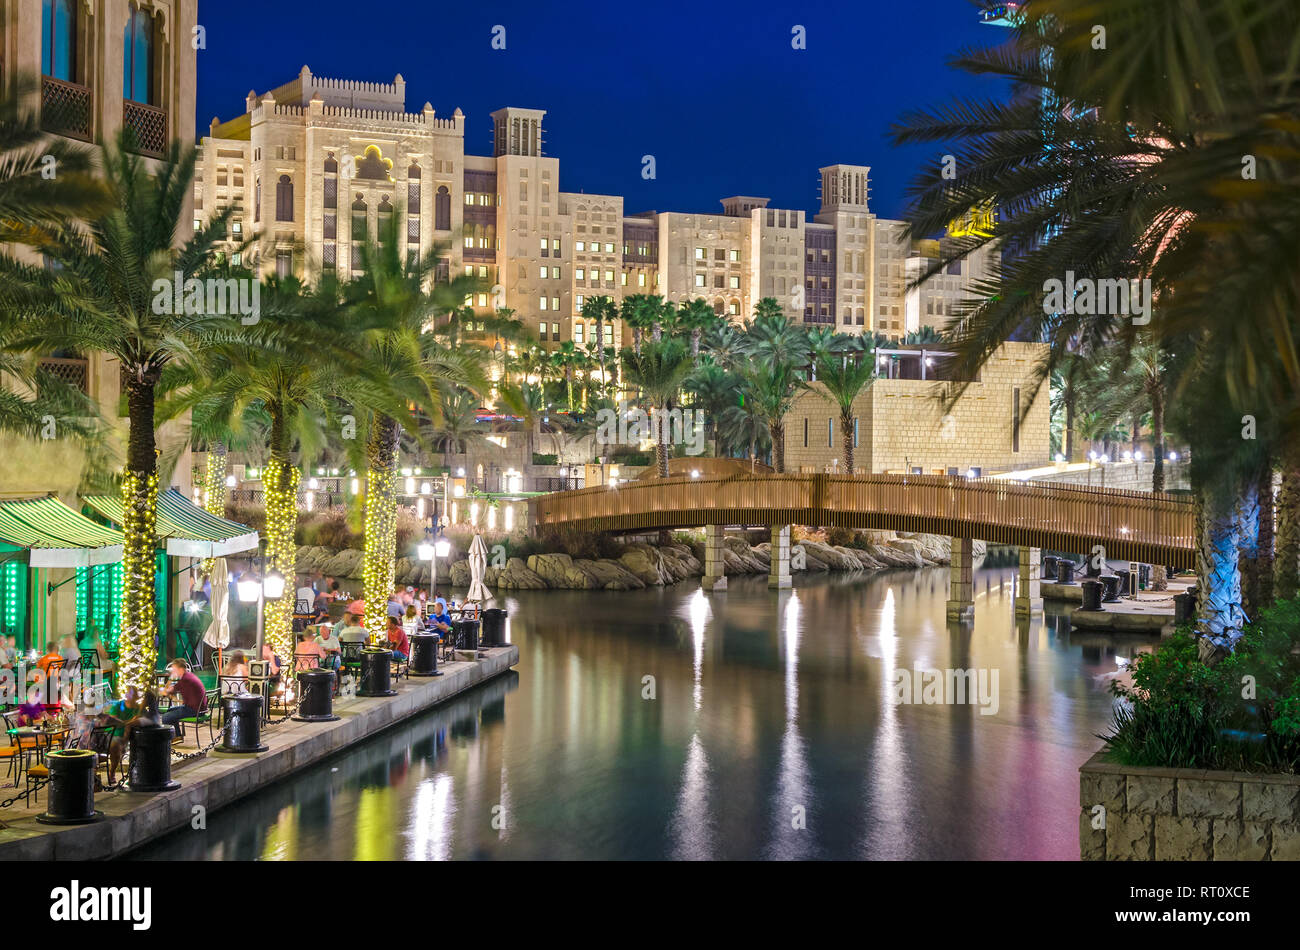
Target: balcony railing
(65,108)
(74,372)
(148,127)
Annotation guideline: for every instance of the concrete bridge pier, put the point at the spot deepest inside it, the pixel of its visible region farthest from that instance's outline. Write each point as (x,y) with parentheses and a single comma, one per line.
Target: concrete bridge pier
(779,577)
(961,590)
(715,570)
(1029,595)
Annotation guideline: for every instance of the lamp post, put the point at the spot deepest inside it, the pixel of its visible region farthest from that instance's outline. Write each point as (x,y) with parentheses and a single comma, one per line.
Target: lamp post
(258,589)
(430,549)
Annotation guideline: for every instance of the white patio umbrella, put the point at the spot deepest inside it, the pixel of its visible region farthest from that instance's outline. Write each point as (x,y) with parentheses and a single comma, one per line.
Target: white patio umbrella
(218,632)
(478,592)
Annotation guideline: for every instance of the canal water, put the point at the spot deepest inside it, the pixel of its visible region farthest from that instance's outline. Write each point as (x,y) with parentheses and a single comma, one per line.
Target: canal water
(750,724)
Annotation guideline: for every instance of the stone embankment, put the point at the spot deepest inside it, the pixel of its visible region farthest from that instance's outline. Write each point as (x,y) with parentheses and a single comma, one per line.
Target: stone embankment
(642,564)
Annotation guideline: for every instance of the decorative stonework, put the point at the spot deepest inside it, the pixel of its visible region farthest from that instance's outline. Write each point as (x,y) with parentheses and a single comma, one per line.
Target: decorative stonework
(1133,813)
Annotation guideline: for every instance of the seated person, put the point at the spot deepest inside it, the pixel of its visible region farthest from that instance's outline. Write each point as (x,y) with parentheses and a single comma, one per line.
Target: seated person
(350,631)
(147,715)
(330,646)
(272,663)
(395,606)
(69,649)
(9,653)
(439,619)
(307,653)
(236,669)
(397,641)
(188,689)
(106,663)
(32,713)
(308,595)
(411,620)
(49,658)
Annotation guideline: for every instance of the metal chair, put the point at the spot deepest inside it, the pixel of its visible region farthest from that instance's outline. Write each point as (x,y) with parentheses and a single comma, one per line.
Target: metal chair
(205,716)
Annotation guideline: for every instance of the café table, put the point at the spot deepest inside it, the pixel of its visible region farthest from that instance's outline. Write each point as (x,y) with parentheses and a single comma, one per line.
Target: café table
(42,739)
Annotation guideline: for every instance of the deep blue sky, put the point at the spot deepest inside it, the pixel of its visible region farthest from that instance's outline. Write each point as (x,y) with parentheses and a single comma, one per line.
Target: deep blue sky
(713,90)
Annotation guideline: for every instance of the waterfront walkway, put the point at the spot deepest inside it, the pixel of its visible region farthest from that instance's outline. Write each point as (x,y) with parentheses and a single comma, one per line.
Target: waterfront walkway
(217,779)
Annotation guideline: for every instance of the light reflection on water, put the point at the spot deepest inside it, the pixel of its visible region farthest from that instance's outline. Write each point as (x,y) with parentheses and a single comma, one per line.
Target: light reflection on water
(771,734)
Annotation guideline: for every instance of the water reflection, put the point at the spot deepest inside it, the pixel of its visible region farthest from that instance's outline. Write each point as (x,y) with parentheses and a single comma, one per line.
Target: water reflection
(771,733)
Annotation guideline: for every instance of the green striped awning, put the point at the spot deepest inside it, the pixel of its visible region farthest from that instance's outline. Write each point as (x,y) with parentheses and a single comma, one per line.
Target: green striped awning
(189,530)
(57,536)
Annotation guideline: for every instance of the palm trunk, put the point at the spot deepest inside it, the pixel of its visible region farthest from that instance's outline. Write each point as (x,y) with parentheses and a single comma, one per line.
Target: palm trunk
(636,340)
(846,427)
(600,354)
(1136,433)
(1159,580)
(777,431)
(1069,423)
(280,486)
(1265,546)
(1247,515)
(137,640)
(1286,568)
(1217,570)
(695,345)
(381,522)
(214,491)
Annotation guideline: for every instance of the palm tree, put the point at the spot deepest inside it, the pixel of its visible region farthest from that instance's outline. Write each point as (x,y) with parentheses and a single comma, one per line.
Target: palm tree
(697,316)
(640,312)
(392,301)
(658,371)
(278,372)
(599,309)
(112,289)
(714,391)
(1123,177)
(844,378)
(741,430)
(567,358)
(456,429)
(772,388)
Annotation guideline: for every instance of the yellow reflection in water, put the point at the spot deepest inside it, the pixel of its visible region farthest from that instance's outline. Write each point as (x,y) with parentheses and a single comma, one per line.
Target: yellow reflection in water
(376,823)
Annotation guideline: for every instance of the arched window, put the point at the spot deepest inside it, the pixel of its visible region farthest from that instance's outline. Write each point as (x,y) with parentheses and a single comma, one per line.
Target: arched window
(331,164)
(359,219)
(413,189)
(59,39)
(137,56)
(442,209)
(284,199)
(257,200)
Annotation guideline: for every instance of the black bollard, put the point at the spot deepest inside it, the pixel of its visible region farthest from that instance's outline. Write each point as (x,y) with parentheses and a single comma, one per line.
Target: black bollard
(1064,571)
(1092,595)
(243,724)
(466,633)
(1047,573)
(376,672)
(71,799)
(316,696)
(1110,586)
(1125,579)
(1184,609)
(151,760)
(424,655)
(1092,566)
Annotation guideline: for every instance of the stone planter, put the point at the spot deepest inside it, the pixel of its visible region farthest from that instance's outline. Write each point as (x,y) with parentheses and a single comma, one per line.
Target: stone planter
(1135,813)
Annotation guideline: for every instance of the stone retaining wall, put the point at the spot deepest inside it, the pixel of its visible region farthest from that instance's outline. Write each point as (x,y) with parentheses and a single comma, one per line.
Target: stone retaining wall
(1152,814)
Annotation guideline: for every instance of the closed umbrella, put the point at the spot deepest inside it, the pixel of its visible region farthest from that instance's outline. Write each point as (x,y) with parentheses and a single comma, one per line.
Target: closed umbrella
(218,632)
(478,592)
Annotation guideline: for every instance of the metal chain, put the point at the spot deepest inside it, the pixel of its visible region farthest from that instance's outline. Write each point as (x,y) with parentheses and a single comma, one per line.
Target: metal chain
(21,796)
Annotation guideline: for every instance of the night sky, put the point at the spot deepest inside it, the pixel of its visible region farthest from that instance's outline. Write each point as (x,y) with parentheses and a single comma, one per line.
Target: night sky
(713,90)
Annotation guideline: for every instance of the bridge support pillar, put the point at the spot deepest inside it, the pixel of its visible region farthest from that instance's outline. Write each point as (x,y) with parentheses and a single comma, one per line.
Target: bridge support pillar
(779,577)
(715,570)
(1029,594)
(961,589)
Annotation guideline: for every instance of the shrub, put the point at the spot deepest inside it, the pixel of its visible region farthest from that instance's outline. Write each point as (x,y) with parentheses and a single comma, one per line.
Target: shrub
(840,537)
(540,459)
(1241,714)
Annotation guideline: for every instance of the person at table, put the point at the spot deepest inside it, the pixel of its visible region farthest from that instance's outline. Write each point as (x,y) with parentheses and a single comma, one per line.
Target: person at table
(397,641)
(307,653)
(234,680)
(49,658)
(8,652)
(308,595)
(32,713)
(330,647)
(273,664)
(349,630)
(411,620)
(395,606)
(106,664)
(69,649)
(439,619)
(147,715)
(187,689)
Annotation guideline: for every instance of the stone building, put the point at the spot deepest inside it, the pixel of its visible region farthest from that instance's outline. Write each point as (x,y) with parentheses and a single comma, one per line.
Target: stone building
(999,423)
(315,150)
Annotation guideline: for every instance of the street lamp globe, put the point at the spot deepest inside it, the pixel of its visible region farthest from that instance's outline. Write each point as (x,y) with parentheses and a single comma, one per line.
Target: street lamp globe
(425,551)
(442,546)
(248,590)
(273,586)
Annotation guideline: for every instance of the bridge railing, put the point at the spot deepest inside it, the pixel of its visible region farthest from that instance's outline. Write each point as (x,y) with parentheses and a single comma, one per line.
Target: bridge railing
(1128,524)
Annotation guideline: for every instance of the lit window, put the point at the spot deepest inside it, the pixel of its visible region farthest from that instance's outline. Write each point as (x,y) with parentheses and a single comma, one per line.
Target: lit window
(580,274)
(640,280)
(545,301)
(555,273)
(699,280)
(555,305)
(577,333)
(580,246)
(735,255)
(700,253)
(609,248)
(543,273)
